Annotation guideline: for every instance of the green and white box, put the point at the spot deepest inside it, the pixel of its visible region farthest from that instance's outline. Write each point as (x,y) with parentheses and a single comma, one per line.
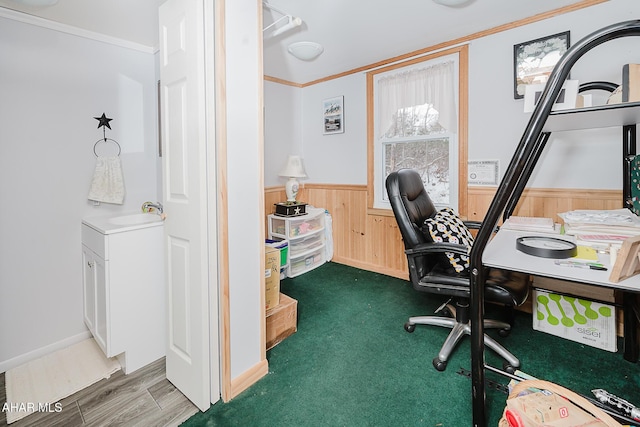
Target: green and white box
(587,322)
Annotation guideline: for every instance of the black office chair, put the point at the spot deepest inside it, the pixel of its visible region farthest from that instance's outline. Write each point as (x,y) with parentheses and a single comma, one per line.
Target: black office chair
(442,267)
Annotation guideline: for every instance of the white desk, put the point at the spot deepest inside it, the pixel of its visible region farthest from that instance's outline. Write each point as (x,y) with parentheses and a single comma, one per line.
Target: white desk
(501,253)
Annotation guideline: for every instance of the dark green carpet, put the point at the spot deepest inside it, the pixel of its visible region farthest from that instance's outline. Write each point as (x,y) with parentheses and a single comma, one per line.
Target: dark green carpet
(352,364)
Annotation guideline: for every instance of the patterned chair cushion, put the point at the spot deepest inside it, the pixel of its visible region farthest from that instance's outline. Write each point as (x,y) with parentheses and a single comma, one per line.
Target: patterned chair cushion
(446,226)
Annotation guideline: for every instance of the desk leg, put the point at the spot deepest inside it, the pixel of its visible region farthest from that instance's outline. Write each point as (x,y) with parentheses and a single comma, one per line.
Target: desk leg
(631,345)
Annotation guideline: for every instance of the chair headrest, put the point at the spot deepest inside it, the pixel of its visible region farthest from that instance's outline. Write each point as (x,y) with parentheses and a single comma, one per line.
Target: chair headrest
(414,196)
(410,203)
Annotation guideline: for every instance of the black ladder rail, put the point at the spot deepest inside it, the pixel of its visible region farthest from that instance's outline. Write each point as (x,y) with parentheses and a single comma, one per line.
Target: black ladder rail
(516,171)
(628,153)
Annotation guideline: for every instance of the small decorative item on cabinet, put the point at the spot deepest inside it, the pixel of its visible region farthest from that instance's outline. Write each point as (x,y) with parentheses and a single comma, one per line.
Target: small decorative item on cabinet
(291,209)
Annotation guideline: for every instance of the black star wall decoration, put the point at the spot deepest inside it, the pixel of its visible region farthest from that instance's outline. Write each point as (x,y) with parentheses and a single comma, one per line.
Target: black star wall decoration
(104,121)
(104,124)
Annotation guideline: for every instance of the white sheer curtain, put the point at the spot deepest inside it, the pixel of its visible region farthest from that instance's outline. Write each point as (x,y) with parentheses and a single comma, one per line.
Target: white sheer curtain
(432,85)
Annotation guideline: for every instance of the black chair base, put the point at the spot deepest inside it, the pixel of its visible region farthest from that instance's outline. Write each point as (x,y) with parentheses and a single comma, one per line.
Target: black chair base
(460,326)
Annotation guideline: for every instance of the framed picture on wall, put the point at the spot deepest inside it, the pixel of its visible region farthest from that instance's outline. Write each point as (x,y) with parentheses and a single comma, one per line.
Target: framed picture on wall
(333,112)
(534,60)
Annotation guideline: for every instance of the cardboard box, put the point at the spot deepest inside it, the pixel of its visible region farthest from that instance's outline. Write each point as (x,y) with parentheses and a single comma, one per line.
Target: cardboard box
(283,246)
(272,277)
(282,321)
(587,322)
(590,292)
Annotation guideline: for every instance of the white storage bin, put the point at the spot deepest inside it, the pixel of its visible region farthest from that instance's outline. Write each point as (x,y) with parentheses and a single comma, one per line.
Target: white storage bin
(307,262)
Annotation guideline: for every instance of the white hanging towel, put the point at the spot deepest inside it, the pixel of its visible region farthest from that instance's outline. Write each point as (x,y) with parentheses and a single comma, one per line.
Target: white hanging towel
(107,184)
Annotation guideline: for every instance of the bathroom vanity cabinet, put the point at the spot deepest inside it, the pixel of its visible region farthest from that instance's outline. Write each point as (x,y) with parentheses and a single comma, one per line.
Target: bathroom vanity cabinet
(124,288)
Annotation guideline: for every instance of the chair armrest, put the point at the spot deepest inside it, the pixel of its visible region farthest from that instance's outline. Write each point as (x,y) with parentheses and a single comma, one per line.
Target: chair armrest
(430,248)
(475,225)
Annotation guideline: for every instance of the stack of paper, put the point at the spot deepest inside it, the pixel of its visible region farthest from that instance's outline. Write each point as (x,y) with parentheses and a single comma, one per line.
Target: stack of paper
(605,239)
(605,226)
(528,223)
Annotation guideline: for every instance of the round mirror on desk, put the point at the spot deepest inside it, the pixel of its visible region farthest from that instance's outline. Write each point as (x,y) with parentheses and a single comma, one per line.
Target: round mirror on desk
(546,247)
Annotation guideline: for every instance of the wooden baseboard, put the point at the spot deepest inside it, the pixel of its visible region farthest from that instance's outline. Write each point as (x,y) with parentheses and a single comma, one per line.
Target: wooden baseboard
(400,274)
(248,378)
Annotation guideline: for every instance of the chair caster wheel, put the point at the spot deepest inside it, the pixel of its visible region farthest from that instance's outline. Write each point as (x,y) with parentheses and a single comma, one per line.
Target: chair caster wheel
(508,368)
(409,327)
(504,332)
(439,364)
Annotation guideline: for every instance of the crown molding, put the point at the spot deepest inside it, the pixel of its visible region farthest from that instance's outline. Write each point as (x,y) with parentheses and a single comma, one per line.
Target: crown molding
(75,31)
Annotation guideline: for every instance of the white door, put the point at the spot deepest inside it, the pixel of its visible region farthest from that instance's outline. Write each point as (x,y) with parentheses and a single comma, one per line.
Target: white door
(188,182)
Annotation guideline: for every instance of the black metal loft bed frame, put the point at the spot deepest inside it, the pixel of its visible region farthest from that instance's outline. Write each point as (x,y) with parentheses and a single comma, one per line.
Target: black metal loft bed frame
(515,180)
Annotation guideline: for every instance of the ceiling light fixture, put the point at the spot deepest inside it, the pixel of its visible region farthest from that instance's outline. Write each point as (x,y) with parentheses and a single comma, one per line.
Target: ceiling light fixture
(451,2)
(292,22)
(305,51)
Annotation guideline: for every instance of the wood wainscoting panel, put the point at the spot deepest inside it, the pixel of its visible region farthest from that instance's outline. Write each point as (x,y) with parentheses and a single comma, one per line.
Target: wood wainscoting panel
(371,240)
(545,202)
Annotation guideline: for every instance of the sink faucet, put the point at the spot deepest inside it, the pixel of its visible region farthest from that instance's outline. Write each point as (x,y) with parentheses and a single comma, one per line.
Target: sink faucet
(147,206)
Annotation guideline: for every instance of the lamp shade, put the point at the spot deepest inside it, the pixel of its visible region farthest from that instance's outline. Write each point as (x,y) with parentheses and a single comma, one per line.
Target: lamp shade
(293,168)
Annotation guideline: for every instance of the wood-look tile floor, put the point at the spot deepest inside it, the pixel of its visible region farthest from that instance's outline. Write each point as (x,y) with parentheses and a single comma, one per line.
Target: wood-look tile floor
(143,398)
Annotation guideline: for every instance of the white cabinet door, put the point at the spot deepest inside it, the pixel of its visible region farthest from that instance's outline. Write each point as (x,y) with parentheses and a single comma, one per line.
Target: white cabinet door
(101,333)
(89,288)
(95,297)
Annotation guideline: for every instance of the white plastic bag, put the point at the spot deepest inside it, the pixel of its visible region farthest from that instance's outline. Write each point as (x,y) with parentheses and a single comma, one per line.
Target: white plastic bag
(328,234)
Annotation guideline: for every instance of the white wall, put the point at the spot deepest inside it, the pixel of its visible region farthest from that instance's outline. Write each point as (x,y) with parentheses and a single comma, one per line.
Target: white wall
(293,125)
(586,159)
(283,129)
(52,85)
(245,182)
(336,158)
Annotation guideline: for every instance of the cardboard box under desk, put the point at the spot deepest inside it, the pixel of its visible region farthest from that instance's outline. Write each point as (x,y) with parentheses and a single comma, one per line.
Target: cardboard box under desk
(282,321)
(597,293)
(587,322)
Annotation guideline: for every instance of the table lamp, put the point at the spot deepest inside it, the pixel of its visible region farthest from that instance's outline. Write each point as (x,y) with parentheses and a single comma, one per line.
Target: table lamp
(293,170)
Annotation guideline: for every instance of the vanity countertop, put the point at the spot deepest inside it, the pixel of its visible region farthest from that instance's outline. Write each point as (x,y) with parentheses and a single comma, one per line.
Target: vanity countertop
(121,222)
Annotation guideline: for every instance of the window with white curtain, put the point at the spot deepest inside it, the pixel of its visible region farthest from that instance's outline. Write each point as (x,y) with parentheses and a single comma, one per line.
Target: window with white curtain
(416,126)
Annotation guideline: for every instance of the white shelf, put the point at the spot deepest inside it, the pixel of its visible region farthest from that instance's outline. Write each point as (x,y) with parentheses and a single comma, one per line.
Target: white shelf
(601,116)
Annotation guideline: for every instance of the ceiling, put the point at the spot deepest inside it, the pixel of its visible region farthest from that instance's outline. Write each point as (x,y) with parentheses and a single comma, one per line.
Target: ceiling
(354,33)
